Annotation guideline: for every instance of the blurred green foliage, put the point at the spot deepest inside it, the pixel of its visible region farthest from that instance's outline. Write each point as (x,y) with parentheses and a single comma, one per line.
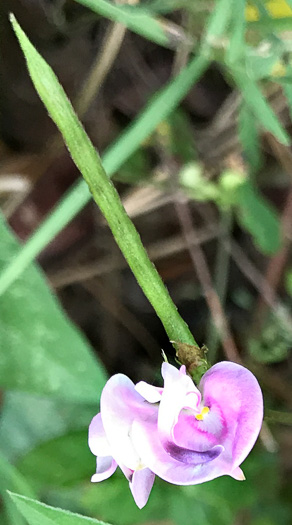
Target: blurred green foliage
(40,350)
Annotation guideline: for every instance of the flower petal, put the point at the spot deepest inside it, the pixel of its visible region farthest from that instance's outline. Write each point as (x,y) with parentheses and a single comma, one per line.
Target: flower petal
(105,467)
(141,485)
(152,394)
(191,457)
(163,465)
(237,474)
(120,406)
(236,391)
(97,441)
(179,392)
(193,434)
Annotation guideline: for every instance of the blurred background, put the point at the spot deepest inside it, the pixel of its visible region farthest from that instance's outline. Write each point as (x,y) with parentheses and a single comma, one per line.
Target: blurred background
(210,193)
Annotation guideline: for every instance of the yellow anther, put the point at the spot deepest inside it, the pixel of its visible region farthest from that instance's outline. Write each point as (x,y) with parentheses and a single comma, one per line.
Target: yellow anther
(200,416)
(140,466)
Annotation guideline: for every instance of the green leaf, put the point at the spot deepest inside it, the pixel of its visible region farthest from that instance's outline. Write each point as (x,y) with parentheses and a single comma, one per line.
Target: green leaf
(70,461)
(135,169)
(167,6)
(40,349)
(27,420)
(287,86)
(218,20)
(249,137)
(271,25)
(38,513)
(136,18)
(88,162)
(260,65)
(259,106)
(196,185)
(112,501)
(12,479)
(274,343)
(236,48)
(288,282)
(258,217)
(181,137)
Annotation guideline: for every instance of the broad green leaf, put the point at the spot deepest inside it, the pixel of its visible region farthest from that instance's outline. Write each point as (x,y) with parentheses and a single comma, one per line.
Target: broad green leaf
(10,514)
(259,106)
(38,513)
(258,217)
(65,460)
(28,420)
(137,18)
(40,349)
(12,479)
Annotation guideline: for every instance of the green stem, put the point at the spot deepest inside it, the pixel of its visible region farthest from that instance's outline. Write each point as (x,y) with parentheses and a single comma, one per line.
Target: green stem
(87,160)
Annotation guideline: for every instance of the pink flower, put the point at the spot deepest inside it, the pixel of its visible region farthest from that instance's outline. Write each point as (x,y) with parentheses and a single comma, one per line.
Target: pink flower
(183,434)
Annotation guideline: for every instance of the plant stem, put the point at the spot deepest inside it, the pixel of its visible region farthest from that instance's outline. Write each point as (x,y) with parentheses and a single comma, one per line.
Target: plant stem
(88,161)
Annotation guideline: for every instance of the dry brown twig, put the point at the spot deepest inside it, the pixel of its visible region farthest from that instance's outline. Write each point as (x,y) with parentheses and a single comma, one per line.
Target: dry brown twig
(204,276)
(157,251)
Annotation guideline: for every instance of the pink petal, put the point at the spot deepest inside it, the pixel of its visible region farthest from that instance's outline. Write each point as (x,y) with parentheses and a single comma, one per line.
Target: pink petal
(189,456)
(193,434)
(163,465)
(97,441)
(236,391)
(105,467)
(237,474)
(141,485)
(120,406)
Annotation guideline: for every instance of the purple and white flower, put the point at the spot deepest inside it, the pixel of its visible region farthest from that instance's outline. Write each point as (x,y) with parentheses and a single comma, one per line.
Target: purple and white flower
(183,434)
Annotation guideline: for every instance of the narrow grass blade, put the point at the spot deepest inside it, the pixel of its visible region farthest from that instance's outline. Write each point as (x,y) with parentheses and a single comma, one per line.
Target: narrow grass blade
(236,46)
(136,18)
(218,20)
(259,106)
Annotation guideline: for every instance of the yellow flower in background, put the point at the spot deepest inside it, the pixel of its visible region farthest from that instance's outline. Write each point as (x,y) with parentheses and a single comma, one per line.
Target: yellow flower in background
(276,9)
